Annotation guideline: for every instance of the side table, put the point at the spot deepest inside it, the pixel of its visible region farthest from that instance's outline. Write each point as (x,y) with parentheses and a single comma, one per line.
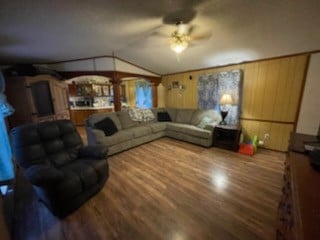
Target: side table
(227,137)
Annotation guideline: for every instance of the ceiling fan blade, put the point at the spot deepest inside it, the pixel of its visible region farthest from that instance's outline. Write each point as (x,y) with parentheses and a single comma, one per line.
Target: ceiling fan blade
(200,37)
(184,15)
(159,34)
(191,29)
(198,34)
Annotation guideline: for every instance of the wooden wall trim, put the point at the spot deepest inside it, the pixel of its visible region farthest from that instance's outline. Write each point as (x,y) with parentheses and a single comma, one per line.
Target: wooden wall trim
(265,120)
(305,74)
(275,150)
(154,79)
(104,56)
(80,59)
(138,66)
(110,74)
(244,62)
(73,74)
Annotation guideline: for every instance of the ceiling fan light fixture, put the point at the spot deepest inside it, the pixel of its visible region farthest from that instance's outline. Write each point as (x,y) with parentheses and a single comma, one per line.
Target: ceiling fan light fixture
(179,42)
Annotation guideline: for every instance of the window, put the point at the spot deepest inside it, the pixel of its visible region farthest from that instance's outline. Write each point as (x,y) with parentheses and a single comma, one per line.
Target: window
(143,94)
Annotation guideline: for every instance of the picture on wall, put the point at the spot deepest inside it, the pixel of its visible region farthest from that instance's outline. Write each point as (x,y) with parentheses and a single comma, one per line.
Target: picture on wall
(175,84)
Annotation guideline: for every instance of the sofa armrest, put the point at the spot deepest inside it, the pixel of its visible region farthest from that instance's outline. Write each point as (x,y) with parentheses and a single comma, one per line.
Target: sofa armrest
(93,151)
(212,125)
(43,174)
(95,136)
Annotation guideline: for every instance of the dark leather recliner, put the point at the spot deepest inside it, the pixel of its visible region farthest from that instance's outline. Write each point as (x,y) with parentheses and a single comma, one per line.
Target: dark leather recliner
(64,173)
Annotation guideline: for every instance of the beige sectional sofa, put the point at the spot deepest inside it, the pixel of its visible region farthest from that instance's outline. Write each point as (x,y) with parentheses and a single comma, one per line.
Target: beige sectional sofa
(186,124)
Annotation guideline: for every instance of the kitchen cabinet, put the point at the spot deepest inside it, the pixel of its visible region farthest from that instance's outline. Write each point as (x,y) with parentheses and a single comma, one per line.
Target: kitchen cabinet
(79,89)
(95,90)
(78,116)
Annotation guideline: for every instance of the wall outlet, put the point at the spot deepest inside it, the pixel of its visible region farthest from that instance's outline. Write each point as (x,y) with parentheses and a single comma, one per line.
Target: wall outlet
(266,136)
(261,143)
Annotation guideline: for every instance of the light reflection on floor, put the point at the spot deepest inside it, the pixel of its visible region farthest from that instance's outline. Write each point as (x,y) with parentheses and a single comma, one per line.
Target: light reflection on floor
(220,180)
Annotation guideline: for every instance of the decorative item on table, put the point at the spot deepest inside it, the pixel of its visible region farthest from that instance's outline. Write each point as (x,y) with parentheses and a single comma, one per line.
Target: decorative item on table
(105,90)
(225,104)
(97,90)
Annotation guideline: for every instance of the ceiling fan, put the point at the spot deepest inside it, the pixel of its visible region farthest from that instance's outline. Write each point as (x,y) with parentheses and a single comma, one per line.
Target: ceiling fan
(183,36)
(179,39)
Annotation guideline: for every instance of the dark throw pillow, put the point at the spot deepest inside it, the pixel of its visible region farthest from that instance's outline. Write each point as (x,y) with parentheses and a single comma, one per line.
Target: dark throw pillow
(163,117)
(107,126)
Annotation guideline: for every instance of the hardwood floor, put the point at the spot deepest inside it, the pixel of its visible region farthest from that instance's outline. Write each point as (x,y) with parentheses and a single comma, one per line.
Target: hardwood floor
(168,189)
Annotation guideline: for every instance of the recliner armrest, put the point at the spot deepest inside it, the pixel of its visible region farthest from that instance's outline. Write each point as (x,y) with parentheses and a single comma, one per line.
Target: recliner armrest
(43,175)
(93,151)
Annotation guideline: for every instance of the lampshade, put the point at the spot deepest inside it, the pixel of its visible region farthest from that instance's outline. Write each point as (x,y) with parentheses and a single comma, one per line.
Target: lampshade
(179,42)
(226,99)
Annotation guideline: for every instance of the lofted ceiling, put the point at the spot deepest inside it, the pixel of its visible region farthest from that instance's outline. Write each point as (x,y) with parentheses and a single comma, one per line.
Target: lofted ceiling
(135,30)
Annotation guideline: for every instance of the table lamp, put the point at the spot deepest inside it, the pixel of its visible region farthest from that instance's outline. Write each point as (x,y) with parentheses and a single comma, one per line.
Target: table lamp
(225,102)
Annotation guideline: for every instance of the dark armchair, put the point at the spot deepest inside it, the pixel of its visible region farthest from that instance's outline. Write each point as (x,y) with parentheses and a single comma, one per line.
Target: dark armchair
(64,173)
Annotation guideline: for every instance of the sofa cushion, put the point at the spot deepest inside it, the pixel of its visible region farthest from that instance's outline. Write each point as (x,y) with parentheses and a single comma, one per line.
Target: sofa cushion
(184,115)
(148,115)
(156,110)
(100,116)
(189,130)
(119,137)
(60,158)
(140,131)
(85,171)
(100,166)
(142,115)
(107,126)
(163,117)
(173,113)
(204,122)
(198,115)
(158,127)
(43,174)
(71,185)
(126,121)
(136,114)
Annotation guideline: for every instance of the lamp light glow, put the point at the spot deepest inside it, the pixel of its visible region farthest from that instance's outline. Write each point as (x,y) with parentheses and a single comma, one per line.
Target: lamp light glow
(225,101)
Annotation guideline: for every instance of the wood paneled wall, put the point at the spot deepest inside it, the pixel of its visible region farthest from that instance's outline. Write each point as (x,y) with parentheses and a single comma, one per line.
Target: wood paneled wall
(271,96)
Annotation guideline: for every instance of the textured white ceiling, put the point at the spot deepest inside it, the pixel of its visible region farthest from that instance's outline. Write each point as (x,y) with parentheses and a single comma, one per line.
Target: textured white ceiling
(240,30)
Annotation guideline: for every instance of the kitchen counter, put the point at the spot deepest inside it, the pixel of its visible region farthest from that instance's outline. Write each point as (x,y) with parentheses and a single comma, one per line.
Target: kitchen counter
(91,108)
(79,115)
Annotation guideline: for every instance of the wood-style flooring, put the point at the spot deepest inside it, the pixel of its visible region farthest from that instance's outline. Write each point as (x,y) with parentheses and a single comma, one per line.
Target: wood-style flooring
(168,189)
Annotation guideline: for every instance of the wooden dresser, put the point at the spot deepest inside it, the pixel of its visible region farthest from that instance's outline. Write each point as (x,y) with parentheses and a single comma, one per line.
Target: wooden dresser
(299,207)
(37,99)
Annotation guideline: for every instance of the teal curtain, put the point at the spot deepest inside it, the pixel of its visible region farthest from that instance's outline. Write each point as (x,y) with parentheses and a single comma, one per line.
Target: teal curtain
(6,164)
(143,94)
